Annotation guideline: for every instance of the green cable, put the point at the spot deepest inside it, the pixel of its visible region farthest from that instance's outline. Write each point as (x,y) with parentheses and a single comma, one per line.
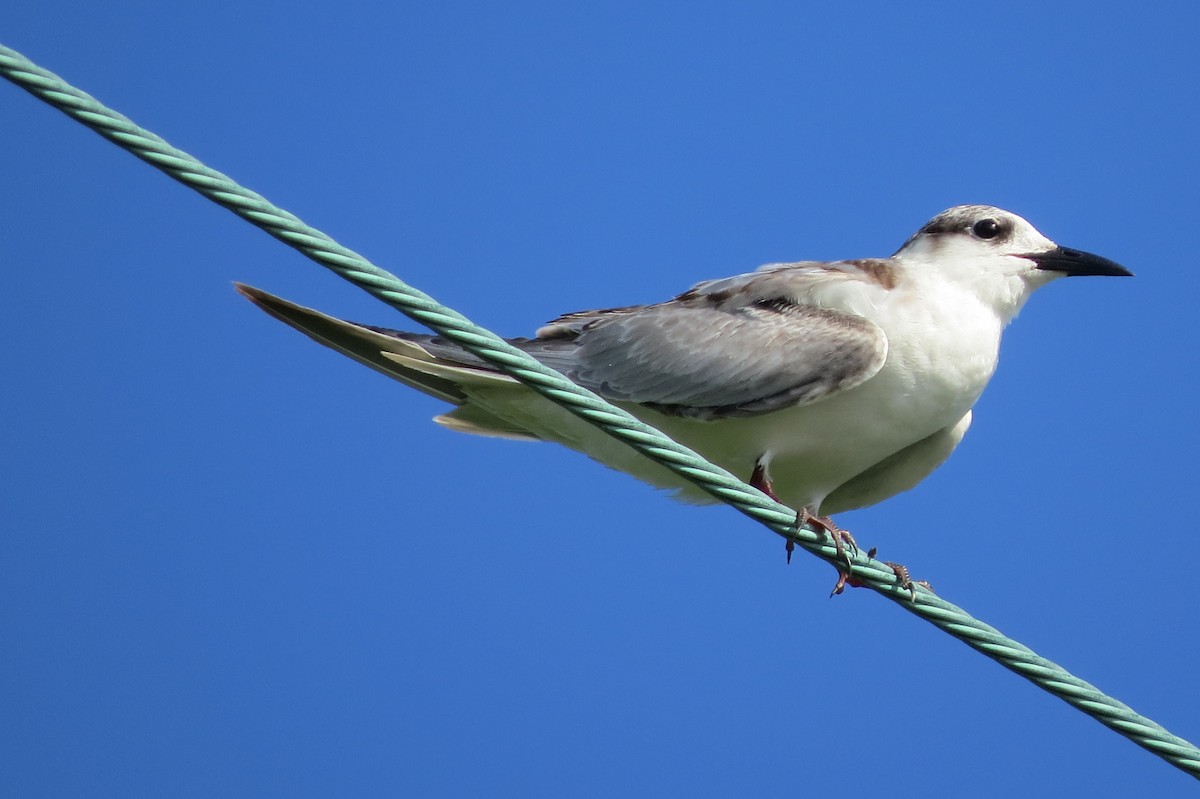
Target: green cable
(721,484)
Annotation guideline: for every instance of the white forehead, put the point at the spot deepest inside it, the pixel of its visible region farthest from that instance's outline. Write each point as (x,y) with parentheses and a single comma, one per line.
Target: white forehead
(953,231)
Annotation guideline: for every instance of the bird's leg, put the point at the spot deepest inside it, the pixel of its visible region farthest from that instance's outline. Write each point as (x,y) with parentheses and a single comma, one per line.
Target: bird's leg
(762,481)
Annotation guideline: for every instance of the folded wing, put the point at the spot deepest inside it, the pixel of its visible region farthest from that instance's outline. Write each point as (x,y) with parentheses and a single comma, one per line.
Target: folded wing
(740,346)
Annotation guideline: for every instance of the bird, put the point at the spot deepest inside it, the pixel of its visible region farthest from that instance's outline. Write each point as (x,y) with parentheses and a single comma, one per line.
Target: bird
(828,385)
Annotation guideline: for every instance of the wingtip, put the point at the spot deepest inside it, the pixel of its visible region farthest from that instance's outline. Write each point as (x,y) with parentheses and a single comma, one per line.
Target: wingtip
(265,300)
(249,292)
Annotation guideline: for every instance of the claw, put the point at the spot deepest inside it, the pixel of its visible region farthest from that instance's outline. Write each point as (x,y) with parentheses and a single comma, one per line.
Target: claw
(840,585)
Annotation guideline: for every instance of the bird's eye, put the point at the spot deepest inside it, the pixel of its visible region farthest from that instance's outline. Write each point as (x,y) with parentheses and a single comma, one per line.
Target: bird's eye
(986,229)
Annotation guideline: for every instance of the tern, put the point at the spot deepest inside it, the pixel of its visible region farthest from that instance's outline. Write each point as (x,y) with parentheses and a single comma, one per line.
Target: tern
(829,386)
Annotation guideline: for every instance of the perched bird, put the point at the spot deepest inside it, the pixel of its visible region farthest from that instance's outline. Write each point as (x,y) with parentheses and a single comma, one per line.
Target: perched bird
(829,385)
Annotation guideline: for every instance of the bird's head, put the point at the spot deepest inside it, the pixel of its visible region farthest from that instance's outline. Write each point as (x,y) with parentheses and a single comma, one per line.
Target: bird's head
(997,254)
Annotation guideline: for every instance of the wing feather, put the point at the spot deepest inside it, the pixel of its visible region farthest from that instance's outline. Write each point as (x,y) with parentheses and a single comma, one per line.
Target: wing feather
(735,347)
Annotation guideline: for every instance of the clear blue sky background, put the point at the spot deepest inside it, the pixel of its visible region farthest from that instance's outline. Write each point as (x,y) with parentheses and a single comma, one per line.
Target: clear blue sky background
(233,563)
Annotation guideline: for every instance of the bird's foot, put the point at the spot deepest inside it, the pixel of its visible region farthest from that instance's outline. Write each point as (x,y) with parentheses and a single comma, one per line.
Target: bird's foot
(760,479)
(841,538)
(905,582)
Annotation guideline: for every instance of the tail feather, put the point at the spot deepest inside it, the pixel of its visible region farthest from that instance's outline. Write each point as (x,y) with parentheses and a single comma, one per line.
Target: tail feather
(479,421)
(487,402)
(405,357)
(371,347)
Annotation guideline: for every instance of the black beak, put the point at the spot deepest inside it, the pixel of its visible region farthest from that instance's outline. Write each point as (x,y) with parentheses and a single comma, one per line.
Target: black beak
(1076,263)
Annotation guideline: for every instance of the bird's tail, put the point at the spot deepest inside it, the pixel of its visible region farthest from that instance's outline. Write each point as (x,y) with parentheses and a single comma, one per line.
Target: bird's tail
(416,360)
(486,402)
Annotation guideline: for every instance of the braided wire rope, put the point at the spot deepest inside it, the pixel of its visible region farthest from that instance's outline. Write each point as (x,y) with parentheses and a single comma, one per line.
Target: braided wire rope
(650,442)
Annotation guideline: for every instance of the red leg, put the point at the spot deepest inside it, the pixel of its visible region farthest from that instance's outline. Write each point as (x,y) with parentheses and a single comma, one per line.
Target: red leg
(762,481)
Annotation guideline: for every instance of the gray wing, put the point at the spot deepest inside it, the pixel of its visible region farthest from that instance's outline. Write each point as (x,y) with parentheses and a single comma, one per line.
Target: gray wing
(712,353)
(739,346)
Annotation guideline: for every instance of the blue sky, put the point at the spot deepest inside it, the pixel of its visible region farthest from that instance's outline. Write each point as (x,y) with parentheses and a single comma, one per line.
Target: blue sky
(237,564)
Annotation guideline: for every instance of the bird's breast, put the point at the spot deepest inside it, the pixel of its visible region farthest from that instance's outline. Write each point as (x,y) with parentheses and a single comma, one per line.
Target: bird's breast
(942,349)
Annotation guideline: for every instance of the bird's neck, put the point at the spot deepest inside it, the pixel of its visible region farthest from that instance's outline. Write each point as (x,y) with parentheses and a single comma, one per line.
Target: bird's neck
(1007,295)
